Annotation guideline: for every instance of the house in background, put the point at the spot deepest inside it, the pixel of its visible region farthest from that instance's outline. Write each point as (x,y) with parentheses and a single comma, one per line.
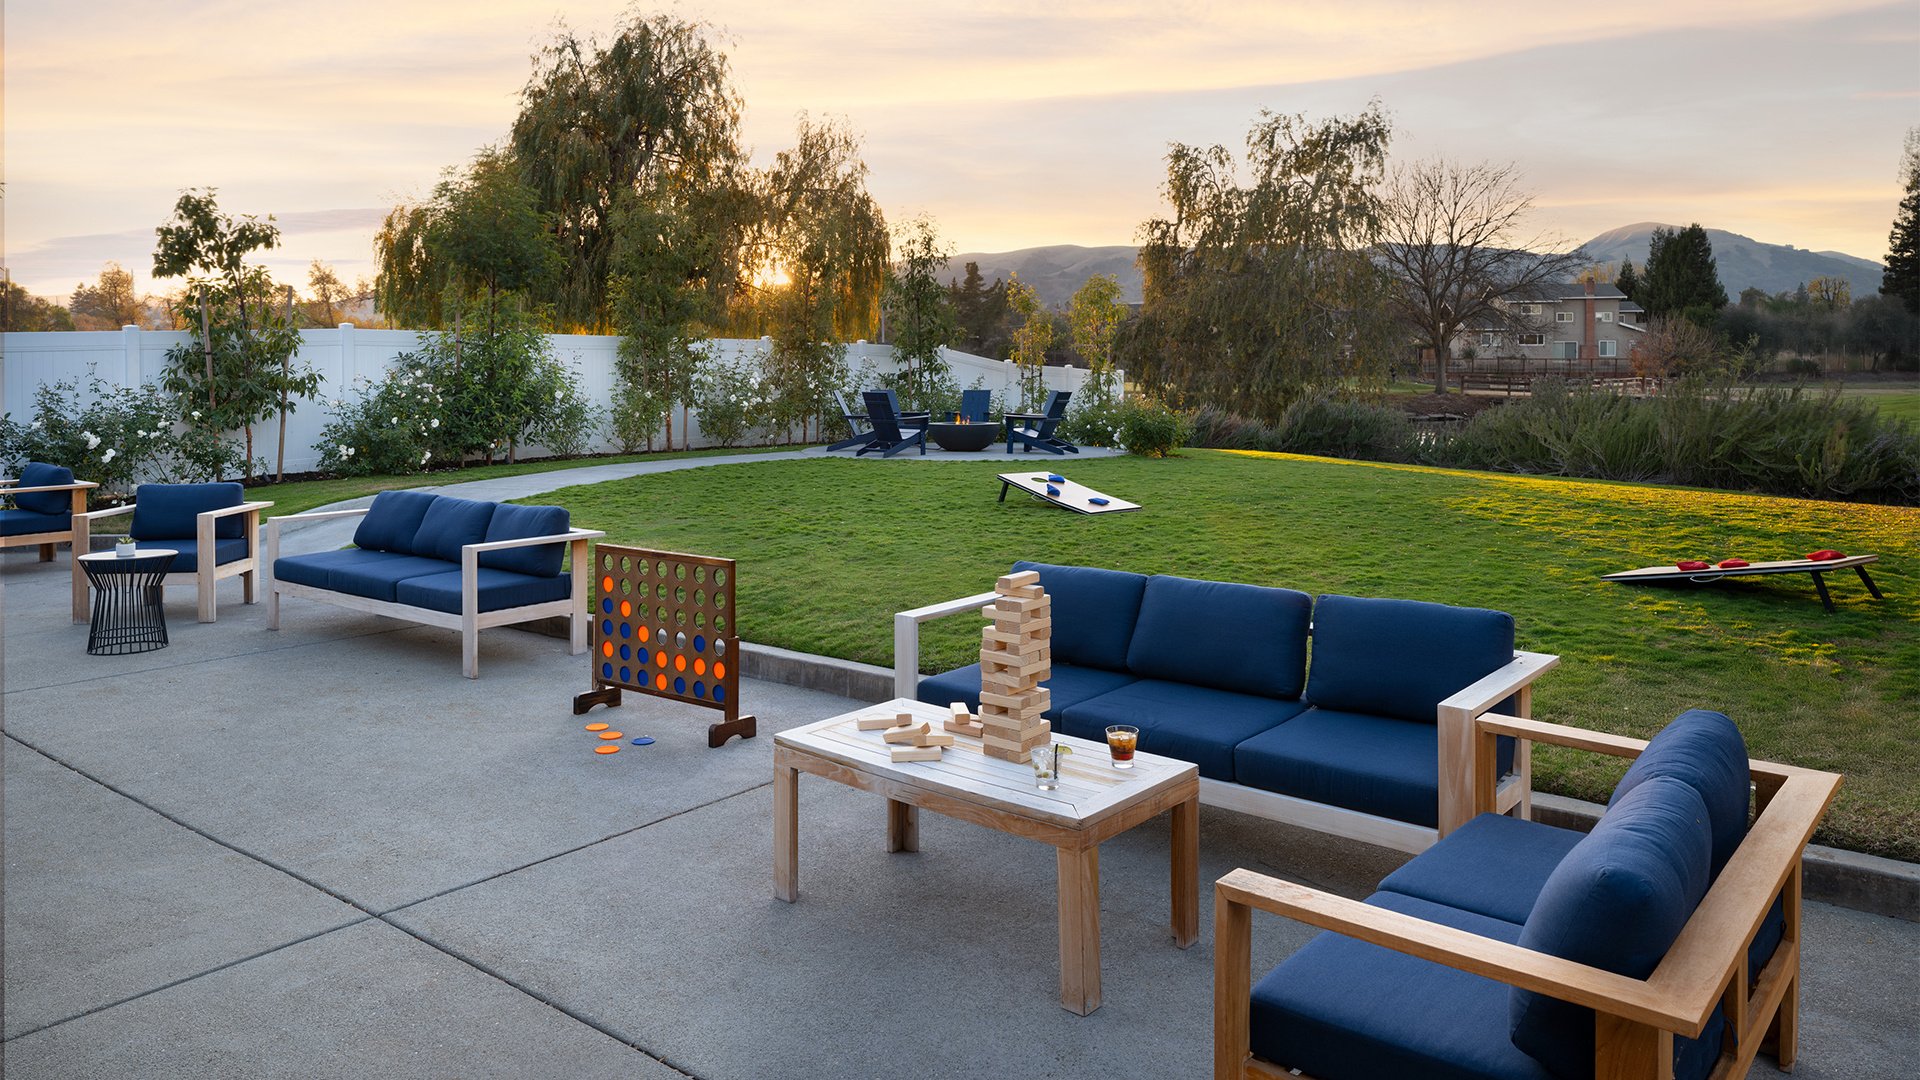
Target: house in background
(1559,325)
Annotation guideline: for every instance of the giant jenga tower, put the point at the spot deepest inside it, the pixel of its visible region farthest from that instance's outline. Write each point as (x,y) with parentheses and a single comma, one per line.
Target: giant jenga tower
(1015,654)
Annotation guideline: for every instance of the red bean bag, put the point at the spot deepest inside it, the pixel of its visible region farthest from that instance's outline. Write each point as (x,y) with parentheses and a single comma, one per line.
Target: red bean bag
(1825,555)
(1694,564)
(1733,564)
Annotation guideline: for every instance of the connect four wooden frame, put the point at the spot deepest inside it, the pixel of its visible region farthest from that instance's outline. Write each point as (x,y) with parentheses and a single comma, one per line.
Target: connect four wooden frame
(663,624)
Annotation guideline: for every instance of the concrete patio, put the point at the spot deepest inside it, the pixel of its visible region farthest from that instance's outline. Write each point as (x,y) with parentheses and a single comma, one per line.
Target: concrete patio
(321,852)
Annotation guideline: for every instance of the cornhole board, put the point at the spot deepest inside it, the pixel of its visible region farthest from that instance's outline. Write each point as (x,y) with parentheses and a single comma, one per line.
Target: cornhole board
(1075,497)
(663,625)
(1649,575)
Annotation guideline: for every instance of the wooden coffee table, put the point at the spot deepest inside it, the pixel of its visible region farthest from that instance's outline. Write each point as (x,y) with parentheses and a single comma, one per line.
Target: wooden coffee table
(1094,802)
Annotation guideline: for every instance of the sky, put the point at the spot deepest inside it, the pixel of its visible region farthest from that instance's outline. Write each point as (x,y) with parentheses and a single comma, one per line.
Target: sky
(1013,124)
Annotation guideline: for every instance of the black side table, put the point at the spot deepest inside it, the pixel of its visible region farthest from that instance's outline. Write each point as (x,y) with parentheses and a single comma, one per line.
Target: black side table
(127,613)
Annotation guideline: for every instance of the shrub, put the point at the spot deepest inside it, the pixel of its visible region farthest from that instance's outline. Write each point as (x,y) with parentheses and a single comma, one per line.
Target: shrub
(1151,429)
(732,400)
(563,420)
(1348,429)
(389,427)
(1095,424)
(116,437)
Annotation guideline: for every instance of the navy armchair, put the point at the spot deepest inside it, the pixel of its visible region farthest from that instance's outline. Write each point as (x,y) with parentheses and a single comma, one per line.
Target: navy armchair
(47,504)
(1041,431)
(890,432)
(212,526)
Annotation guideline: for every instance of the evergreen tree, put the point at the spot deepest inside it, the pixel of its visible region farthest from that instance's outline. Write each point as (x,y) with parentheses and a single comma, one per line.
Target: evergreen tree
(1682,277)
(1629,280)
(1902,279)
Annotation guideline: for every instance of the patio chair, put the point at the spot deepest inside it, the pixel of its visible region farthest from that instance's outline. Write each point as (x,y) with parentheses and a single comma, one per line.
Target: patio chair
(1039,431)
(976,406)
(906,419)
(856,423)
(889,437)
(47,504)
(215,531)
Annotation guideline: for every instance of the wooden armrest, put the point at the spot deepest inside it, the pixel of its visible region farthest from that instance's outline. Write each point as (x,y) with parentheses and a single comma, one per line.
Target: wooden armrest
(1496,687)
(319,515)
(229,511)
(110,511)
(77,485)
(1598,742)
(906,637)
(949,607)
(534,541)
(1643,1002)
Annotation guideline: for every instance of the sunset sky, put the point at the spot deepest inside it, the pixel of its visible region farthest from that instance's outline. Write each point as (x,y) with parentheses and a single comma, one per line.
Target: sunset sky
(1014,124)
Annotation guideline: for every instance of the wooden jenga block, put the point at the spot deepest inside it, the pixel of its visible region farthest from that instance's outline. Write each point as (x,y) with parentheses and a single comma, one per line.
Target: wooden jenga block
(916,753)
(1001,684)
(1001,662)
(876,723)
(1019,750)
(1002,753)
(1010,582)
(1023,644)
(1017,733)
(906,734)
(1040,696)
(964,727)
(933,739)
(960,711)
(1024,592)
(1020,605)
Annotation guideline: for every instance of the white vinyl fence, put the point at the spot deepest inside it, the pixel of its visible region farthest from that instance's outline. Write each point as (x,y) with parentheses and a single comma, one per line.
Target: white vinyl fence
(132,356)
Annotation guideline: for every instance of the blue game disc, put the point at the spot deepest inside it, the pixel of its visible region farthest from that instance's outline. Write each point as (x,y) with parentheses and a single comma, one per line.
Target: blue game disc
(643,741)
(1057,478)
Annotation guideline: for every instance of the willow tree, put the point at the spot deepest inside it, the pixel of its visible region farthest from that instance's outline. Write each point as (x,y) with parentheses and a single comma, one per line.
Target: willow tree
(919,312)
(652,112)
(821,248)
(1262,290)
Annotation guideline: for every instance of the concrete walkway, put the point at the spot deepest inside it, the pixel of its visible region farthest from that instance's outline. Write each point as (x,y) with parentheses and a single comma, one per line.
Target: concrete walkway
(320,852)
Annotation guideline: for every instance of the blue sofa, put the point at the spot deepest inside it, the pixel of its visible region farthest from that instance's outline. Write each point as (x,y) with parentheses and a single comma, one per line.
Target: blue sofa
(1216,673)
(48,504)
(212,527)
(1556,926)
(444,561)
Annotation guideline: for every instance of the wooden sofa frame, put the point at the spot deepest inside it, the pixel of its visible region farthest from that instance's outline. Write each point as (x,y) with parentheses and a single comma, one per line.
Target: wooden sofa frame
(205,577)
(470,620)
(1635,1020)
(75,534)
(1513,794)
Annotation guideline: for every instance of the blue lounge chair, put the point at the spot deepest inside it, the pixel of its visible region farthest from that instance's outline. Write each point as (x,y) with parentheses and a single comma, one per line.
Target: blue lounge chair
(889,437)
(1039,431)
(905,419)
(857,424)
(48,504)
(976,406)
(215,531)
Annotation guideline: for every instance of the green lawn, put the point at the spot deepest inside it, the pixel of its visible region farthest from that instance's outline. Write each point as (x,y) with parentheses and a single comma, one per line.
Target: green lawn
(829,549)
(1894,402)
(299,496)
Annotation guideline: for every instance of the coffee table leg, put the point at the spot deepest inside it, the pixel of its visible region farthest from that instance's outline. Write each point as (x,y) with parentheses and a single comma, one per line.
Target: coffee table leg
(1079,929)
(786,833)
(1186,872)
(903,826)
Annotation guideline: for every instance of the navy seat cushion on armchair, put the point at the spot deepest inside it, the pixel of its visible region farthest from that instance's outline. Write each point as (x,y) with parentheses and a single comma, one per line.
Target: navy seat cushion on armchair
(26,522)
(1245,638)
(1401,658)
(1093,612)
(38,474)
(392,521)
(171,511)
(510,522)
(187,557)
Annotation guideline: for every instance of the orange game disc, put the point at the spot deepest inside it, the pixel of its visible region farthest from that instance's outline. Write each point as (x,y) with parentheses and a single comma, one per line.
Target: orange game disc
(660,658)
(606,648)
(598,727)
(660,682)
(606,749)
(643,633)
(606,584)
(679,663)
(610,735)
(719,670)
(626,609)
(699,667)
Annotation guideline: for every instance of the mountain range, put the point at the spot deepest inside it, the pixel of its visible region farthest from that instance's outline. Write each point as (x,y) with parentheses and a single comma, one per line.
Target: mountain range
(1058,270)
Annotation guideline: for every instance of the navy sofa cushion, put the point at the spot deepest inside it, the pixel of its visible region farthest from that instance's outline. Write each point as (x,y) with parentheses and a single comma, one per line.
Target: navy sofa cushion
(40,474)
(1193,723)
(392,521)
(372,574)
(1401,658)
(169,511)
(1067,686)
(1616,902)
(1493,865)
(510,522)
(1244,638)
(449,525)
(1093,612)
(26,522)
(1340,1007)
(498,589)
(1373,764)
(1703,749)
(188,561)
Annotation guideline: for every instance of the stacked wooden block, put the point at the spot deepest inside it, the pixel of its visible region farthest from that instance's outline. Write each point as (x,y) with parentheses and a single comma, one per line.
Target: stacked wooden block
(1015,654)
(911,740)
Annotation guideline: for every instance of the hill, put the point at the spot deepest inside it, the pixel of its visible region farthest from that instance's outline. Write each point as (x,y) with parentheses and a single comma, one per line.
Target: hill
(1056,272)
(1745,262)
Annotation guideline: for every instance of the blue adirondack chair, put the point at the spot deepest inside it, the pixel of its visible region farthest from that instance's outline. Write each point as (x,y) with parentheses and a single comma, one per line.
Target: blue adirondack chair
(976,406)
(856,422)
(1040,431)
(889,437)
(905,419)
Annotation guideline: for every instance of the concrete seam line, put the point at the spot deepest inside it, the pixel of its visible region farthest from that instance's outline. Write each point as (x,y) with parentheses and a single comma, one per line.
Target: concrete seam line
(196,975)
(541,998)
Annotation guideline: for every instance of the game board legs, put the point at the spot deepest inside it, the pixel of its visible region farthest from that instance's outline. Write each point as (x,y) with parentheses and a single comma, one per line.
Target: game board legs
(718,734)
(1820,586)
(606,695)
(1868,582)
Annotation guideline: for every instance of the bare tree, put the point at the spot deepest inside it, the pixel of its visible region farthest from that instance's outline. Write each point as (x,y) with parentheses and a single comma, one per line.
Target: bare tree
(1451,238)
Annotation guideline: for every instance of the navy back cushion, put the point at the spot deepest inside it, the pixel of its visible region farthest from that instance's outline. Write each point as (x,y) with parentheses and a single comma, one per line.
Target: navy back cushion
(168,511)
(1245,638)
(1093,612)
(1704,749)
(35,474)
(1401,658)
(517,522)
(451,524)
(392,521)
(1616,902)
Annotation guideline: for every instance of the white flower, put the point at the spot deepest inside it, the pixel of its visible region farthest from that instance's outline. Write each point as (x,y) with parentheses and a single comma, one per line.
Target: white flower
(346,451)
(424,456)
(108,456)
(196,414)
(392,421)
(436,423)
(557,394)
(92,439)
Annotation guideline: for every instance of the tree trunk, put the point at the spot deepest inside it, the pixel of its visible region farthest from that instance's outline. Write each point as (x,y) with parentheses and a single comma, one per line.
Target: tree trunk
(280,461)
(1442,354)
